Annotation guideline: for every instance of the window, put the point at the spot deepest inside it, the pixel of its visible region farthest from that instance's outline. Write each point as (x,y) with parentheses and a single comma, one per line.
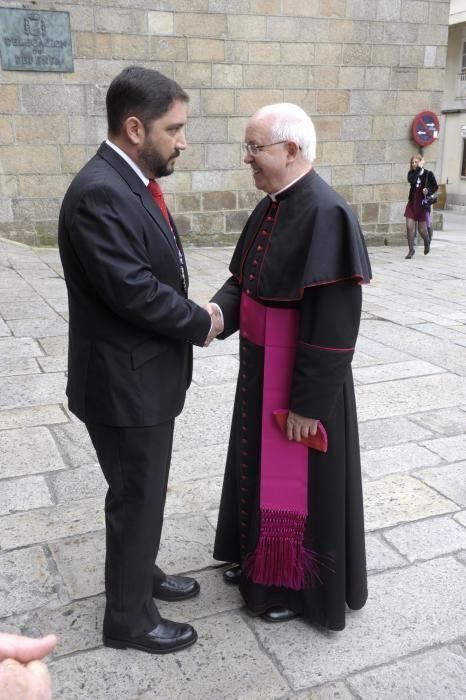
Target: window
(462,74)
(463,160)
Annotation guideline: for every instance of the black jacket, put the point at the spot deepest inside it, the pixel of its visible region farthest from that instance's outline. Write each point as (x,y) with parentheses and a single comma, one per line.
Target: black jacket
(426,179)
(131,325)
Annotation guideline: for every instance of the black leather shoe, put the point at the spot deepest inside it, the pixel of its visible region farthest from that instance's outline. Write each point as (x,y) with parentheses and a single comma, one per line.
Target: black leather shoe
(277,614)
(410,254)
(426,246)
(175,588)
(168,636)
(233,574)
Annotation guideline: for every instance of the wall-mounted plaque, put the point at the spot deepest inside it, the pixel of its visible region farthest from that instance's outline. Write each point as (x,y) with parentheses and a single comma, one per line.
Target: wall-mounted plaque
(35,40)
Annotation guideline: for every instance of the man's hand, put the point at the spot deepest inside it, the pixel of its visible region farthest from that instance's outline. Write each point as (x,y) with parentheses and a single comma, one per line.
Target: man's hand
(299,427)
(23,676)
(217,322)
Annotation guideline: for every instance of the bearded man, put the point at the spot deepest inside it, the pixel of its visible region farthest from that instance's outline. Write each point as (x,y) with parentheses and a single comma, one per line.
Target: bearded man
(132,328)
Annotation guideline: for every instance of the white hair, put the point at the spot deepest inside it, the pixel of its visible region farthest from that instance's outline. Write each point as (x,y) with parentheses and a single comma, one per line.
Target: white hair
(291,123)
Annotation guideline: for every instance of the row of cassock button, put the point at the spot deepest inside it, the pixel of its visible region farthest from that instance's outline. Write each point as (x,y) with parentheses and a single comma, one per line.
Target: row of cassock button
(249,288)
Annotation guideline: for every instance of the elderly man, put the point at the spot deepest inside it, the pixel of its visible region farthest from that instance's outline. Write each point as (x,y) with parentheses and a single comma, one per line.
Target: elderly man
(291,515)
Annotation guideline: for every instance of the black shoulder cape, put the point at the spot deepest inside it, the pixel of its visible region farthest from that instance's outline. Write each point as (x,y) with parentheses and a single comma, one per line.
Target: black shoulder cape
(316,239)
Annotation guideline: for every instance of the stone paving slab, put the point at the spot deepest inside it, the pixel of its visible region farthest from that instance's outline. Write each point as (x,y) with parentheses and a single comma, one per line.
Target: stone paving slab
(442,332)
(426,539)
(186,544)
(405,396)
(76,484)
(215,598)
(34,390)
(411,375)
(47,524)
(206,417)
(74,443)
(448,421)
(24,494)
(25,581)
(38,327)
(395,370)
(80,562)
(384,432)
(449,448)
(449,480)
(330,691)
(14,348)
(242,670)
(25,293)
(25,309)
(401,498)
(78,625)
(397,458)
(197,463)
(379,351)
(17,446)
(53,364)
(49,288)
(215,370)
(23,365)
(55,345)
(380,555)
(194,496)
(4,329)
(362,359)
(407,340)
(30,417)
(436,674)
(431,598)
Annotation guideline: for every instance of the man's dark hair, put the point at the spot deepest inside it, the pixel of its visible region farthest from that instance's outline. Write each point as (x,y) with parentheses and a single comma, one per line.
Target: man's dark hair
(140,92)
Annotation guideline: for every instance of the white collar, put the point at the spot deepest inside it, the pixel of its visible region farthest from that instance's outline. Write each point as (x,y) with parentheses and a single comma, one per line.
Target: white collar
(273,196)
(130,162)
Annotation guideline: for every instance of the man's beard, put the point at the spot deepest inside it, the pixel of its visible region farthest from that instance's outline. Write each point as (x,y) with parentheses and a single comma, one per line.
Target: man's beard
(155,165)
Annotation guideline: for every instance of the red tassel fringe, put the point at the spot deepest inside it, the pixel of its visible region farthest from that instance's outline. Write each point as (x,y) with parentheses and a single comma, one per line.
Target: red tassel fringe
(280,558)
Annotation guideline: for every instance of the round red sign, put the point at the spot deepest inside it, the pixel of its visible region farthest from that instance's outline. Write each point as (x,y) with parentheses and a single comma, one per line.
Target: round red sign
(425,128)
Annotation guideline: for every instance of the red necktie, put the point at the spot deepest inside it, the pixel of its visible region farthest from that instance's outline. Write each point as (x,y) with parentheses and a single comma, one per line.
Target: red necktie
(157,194)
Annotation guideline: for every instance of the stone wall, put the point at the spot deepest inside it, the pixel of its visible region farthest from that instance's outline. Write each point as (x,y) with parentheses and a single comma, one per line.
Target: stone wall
(361,68)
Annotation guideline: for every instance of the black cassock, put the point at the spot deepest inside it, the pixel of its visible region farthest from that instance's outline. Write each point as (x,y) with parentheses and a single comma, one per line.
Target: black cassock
(306,251)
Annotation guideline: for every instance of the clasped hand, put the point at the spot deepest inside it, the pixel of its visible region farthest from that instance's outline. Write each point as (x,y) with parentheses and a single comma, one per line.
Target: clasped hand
(299,427)
(217,322)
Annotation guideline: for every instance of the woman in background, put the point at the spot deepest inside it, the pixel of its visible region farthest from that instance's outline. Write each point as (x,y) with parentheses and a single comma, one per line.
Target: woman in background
(423,184)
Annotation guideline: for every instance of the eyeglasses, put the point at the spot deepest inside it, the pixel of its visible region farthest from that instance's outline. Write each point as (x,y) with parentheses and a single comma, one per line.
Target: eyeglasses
(253,149)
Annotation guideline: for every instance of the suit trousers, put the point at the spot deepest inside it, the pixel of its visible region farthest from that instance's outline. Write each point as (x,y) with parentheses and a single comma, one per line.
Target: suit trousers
(136,464)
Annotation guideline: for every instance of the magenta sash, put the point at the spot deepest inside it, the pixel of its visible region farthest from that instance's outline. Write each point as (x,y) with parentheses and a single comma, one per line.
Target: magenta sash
(280,558)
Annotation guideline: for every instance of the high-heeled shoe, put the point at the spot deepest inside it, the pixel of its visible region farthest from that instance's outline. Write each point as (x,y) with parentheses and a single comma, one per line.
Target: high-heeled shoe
(410,254)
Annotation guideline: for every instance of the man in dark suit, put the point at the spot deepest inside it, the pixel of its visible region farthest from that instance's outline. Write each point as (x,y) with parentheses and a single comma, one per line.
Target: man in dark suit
(132,328)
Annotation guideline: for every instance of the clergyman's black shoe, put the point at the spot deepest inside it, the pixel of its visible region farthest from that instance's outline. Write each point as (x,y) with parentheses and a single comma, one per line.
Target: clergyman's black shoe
(277,614)
(174,588)
(168,636)
(232,575)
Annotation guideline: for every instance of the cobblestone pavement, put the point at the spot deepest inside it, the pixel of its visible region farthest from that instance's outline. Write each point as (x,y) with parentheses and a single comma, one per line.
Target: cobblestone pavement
(408,643)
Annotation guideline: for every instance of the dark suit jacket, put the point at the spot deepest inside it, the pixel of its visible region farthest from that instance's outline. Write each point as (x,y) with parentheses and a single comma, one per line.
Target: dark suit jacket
(131,325)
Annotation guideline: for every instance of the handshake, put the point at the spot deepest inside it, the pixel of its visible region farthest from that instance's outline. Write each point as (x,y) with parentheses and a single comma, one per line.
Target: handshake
(216,318)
